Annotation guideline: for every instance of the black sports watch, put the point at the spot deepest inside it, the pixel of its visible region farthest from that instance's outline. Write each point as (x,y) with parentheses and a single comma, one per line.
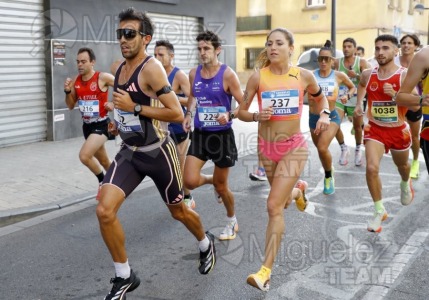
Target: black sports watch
(231,115)
(325,111)
(137,109)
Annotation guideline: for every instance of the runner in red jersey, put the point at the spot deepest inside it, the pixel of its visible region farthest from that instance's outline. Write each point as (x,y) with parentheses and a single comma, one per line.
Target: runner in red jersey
(386,129)
(90,90)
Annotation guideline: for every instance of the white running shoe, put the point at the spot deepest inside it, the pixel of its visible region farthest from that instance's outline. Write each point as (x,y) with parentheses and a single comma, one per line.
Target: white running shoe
(344,157)
(258,175)
(407,193)
(229,232)
(374,225)
(358,158)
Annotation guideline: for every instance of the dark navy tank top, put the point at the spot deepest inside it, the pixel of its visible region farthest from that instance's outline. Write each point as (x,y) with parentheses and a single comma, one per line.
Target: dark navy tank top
(176,128)
(138,130)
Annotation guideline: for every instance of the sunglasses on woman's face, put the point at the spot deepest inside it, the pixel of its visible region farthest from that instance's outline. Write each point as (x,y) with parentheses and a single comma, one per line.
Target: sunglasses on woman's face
(128,34)
(324,58)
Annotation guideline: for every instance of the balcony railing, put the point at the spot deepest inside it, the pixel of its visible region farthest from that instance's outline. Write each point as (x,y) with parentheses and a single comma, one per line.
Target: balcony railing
(254,23)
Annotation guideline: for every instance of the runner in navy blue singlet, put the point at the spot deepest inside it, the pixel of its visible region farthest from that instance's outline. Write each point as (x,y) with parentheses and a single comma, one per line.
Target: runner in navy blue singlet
(164,52)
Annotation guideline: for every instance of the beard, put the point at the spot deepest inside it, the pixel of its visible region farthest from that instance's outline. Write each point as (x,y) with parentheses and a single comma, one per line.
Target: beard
(131,52)
(384,61)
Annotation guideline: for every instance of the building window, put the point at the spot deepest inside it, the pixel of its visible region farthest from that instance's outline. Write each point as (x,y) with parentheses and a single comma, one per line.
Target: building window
(251,56)
(315,3)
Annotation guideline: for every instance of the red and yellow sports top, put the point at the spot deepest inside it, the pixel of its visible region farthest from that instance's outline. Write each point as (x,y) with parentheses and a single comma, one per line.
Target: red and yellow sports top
(283,92)
(382,109)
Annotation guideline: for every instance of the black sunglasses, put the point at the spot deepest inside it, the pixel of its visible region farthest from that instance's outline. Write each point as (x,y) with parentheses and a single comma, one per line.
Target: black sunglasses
(128,34)
(324,58)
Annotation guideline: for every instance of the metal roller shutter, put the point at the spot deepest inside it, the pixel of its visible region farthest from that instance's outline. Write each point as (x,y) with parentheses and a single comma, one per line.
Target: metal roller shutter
(181,31)
(22,73)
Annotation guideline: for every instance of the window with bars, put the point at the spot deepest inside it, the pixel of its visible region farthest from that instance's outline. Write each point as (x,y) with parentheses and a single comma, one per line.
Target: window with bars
(251,55)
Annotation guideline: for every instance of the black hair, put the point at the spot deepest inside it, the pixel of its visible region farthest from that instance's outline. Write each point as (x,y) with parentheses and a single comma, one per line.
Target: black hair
(350,40)
(387,38)
(327,46)
(209,36)
(413,37)
(361,49)
(89,51)
(146,25)
(166,44)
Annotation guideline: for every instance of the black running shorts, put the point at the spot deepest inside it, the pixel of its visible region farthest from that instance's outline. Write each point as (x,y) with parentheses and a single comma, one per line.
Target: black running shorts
(414,116)
(129,168)
(96,128)
(179,137)
(218,146)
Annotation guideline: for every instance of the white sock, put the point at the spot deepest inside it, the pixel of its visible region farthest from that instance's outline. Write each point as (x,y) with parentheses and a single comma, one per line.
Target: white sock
(404,184)
(204,244)
(358,147)
(232,219)
(122,270)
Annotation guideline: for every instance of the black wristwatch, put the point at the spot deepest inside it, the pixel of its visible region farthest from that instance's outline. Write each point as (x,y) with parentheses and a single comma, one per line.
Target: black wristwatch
(231,115)
(137,109)
(325,111)
(67,92)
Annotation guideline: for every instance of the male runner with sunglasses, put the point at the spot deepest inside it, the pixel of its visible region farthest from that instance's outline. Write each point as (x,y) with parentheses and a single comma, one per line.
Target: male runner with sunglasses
(353,66)
(144,104)
(90,89)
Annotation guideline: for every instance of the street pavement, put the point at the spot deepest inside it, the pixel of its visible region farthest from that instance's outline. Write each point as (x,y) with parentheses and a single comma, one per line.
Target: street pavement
(327,252)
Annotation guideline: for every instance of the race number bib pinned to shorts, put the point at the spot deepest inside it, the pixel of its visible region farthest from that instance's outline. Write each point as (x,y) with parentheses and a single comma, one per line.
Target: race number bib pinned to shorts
(208,115)
(284,102)
(126,121)
(384,111)
(89,109)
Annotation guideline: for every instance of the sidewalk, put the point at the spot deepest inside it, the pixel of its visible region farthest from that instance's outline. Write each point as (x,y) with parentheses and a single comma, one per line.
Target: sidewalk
(45,175)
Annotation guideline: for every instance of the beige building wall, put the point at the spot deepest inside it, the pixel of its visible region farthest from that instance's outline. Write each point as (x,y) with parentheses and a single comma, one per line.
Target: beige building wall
(363,20)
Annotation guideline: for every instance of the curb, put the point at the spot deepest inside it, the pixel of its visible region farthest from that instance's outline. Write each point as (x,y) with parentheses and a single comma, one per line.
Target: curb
(40,209)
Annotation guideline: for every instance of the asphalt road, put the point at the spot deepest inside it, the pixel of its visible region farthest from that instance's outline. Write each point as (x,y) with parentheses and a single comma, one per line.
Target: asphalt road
(327,253)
